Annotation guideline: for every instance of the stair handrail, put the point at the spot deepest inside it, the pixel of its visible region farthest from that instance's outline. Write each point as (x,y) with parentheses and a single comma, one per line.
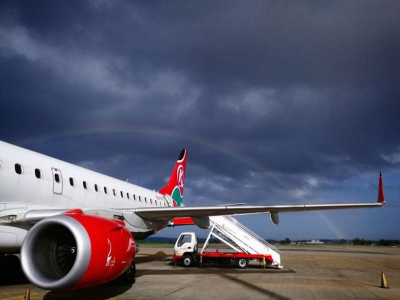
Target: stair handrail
(225,232)
(249,232)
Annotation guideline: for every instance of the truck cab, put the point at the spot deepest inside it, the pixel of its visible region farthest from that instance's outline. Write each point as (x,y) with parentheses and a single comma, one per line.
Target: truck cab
(186,249)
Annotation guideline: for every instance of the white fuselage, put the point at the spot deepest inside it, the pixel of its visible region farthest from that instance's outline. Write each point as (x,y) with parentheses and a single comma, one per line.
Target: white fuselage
(48,183)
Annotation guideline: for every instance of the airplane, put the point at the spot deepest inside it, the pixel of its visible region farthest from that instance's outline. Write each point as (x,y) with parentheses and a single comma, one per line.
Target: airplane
(76,228)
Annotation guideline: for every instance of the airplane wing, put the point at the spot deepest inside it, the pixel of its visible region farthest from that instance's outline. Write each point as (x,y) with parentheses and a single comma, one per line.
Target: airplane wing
(158,214)
(169,213)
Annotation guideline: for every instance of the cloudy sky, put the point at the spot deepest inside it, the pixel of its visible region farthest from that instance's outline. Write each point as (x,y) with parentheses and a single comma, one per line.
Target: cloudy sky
(277,102)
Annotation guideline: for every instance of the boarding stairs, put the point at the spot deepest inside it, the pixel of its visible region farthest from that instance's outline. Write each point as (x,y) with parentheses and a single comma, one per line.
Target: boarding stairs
(237,236)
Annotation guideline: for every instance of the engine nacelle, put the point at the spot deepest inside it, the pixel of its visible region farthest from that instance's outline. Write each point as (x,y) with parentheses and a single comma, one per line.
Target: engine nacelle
(203,222)
(74,250)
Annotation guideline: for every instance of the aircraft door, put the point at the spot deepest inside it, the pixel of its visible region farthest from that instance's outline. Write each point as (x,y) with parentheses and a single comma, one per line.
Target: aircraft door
(57,181)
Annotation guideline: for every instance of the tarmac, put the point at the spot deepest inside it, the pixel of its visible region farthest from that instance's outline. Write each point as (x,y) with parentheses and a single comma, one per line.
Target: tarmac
(310,272)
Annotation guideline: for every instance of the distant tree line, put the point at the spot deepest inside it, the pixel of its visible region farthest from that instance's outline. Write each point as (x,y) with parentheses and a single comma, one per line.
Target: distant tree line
(285,241)
(389,242)
(358,241)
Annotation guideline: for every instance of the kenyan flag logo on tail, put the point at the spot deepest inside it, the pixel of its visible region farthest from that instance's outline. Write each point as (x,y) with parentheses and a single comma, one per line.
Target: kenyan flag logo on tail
(174,188)
(176,195)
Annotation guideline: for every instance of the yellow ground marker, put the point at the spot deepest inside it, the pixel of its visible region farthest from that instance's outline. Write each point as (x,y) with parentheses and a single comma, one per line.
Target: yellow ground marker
(264,262)
(27,294)
(384,283)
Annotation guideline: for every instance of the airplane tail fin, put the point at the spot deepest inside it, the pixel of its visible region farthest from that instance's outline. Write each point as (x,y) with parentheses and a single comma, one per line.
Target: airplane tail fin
(174,188)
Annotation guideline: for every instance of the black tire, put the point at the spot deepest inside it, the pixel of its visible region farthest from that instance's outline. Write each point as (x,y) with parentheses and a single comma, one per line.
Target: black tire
(3,272)
(128,277)
(241,263)
(11,271)
(187,260)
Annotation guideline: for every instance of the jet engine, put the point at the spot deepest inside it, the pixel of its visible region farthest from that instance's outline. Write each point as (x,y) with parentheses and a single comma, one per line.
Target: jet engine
(75,250)
(203,222)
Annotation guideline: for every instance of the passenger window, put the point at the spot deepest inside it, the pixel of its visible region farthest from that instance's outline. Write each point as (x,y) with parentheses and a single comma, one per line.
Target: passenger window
(155,201)
(71,181)
(85,185)
(18,169)
(134,197)
(114,192)
(57,178)
(105,190)
(95,188)
(122,194)
(151,201)
(1,166)
(140,199)
(38,174)
(127,195)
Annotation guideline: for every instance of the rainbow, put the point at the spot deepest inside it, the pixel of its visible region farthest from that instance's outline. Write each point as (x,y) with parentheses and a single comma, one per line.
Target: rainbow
(160,132)
(81,132)
(332,226)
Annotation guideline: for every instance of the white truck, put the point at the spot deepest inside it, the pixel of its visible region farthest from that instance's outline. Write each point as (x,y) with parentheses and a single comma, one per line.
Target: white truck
(244,245)
(186,251)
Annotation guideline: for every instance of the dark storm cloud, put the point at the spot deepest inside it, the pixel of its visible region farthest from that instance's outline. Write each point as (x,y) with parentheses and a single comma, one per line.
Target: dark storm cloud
(304,92)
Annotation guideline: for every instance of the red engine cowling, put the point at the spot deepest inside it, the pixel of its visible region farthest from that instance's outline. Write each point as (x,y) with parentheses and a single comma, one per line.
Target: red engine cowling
(74,250)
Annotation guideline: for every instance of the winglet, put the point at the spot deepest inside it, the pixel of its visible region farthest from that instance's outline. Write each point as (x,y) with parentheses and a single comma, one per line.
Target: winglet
(381,197)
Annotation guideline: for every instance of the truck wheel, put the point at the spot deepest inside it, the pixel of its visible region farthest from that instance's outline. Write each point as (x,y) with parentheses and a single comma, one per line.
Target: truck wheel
(187,260)
(241,263)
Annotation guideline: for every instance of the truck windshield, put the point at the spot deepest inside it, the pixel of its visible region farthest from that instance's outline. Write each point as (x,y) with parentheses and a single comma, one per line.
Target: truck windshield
(185,238)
